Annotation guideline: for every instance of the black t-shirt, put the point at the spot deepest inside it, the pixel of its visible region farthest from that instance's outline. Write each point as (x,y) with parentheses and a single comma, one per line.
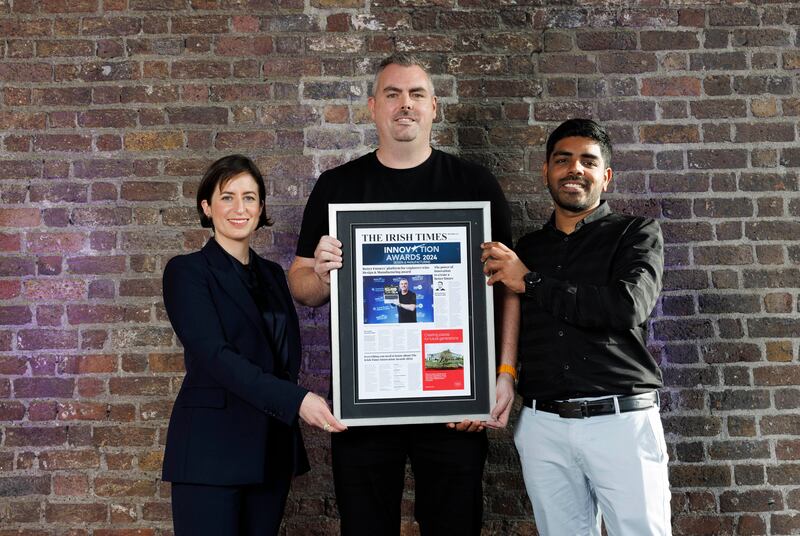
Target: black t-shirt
(404,315)
(442,177)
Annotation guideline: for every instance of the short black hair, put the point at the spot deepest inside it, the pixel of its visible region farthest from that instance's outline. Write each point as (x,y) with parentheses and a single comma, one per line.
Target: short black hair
(584,128)
(219,174)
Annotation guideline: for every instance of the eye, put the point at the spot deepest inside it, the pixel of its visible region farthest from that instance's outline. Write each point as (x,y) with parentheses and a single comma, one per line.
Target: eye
(590,163)
(226,198)
(250,198)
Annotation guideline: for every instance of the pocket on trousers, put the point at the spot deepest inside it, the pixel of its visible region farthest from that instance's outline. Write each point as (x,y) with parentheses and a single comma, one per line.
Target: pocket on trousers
(656,432)
(203,397)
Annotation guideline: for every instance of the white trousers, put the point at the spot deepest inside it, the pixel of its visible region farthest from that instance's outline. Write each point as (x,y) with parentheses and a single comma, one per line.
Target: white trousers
(576,470)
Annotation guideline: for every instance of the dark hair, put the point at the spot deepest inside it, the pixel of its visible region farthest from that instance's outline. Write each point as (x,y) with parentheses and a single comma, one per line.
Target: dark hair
(403,59)
(219,174)
(584,128)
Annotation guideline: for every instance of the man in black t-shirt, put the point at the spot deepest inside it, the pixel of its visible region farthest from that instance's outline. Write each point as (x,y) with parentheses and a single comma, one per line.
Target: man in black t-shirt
(407,305)
(447,460)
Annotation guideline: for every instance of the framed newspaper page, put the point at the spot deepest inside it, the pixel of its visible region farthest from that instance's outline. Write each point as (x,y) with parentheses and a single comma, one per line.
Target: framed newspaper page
(412,319)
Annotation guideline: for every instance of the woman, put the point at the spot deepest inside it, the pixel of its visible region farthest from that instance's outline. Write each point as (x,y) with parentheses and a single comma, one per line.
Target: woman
(234,442)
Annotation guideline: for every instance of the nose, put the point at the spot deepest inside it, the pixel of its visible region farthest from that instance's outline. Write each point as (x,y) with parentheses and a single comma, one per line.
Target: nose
(405,101)
(238,205)
(575,167)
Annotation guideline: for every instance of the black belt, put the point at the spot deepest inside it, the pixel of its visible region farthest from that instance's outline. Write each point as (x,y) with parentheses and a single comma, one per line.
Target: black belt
(582,409)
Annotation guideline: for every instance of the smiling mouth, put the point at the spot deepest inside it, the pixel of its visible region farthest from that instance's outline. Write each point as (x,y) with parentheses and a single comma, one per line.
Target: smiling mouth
(404,119)
(239,221)
(572,186)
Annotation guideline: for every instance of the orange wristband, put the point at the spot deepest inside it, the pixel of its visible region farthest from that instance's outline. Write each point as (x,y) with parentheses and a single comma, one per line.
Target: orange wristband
(509,369)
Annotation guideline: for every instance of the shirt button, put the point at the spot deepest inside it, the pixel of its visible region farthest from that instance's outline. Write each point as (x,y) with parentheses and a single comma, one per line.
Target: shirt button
(558,267)
(566,367)
(560,333)
(566,239)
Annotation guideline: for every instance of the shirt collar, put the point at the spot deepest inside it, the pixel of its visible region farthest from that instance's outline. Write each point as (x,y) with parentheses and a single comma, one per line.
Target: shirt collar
(600,212)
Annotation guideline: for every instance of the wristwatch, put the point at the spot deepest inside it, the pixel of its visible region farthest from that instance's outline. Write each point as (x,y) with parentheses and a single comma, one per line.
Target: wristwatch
(532,280)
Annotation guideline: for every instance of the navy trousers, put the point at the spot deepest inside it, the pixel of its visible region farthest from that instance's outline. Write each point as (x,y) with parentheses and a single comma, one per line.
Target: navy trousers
(253,510)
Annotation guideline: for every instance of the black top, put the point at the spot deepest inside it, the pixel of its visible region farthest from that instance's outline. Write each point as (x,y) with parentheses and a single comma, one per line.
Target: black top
(404,315)
(583,331)
(442,177)
(263,290)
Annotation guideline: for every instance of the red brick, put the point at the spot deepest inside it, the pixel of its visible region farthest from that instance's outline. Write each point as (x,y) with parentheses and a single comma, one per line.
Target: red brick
(123,532)
(11,411)
(288,67)
(15,27)
(11,266)
(15,315)
(138,386)
(705,476)
(136,337)
(669,133)
(246,140)
(153,141)
(43,387)
(20,217)
(98,314)
(121,487)
(733,16)
(22,120)
(16,486)
(71,485)
(41,339)
(75,512)
(671,87)
(140,287)
(606,40)
(123,436)
(26,72)
(107,118)
(54,460)
(184,69)
(751,501)
(243,46)
(70,48)
(34,436)
(61,242)
(165,362)
(96,265)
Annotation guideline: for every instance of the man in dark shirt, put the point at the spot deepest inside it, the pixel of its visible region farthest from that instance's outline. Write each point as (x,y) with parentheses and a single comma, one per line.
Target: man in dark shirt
(369,461)
(407,305)
(589,437)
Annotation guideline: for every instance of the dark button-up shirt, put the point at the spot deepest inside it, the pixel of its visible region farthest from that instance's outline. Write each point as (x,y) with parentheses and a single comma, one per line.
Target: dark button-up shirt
(583,330)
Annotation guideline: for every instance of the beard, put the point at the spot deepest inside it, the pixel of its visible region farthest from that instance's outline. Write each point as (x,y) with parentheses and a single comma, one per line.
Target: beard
(574,202)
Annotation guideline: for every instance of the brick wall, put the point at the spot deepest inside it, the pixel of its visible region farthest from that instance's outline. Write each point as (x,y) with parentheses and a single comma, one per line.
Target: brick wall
(111,109)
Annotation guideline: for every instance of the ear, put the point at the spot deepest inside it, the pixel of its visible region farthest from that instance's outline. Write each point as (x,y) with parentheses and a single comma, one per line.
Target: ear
(607,180)
(206,208)
(371,106)
(435,105)
(544,172)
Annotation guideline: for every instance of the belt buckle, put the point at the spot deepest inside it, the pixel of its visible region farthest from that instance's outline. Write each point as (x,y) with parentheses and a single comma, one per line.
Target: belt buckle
(573,410)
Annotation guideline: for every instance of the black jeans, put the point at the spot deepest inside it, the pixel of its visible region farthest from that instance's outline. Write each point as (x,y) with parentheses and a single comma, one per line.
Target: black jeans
(369,469)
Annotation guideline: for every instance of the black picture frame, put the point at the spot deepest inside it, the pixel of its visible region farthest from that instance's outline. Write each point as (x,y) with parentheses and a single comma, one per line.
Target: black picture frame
(473,220)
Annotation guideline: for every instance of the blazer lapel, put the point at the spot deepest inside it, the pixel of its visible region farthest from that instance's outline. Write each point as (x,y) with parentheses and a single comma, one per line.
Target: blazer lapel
(231,283)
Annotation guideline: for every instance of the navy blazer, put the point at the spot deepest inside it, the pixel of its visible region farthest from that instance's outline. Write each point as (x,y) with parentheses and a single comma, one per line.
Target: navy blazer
(220,422)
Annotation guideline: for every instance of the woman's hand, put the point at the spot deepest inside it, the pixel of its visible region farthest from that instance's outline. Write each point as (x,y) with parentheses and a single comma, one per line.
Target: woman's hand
(314,411)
